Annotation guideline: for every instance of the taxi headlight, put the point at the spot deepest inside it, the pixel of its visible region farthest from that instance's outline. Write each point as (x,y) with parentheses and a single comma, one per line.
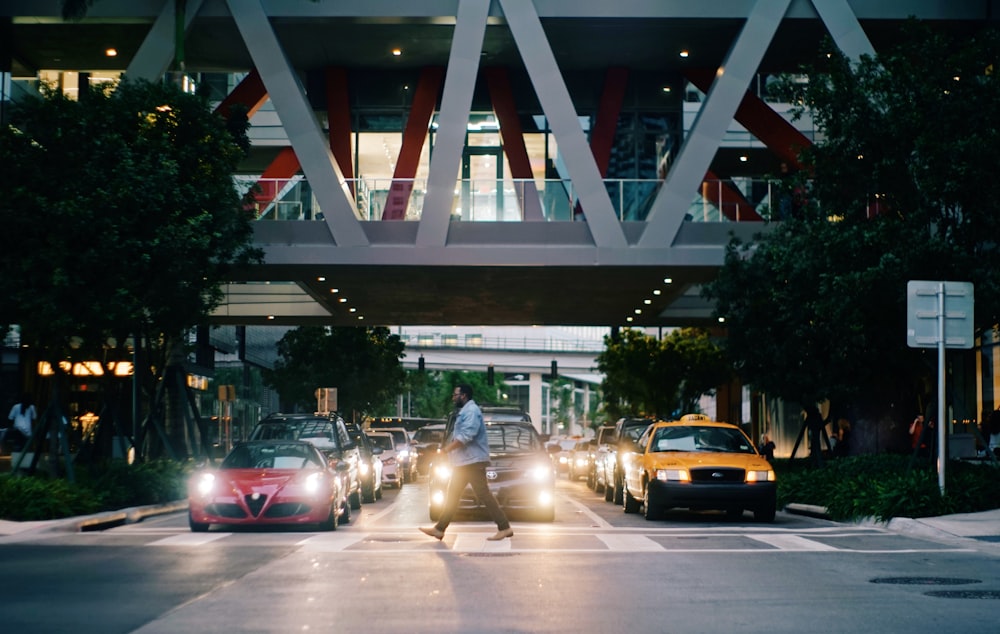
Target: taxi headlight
(205,484)
(363,468)
(442,471)
(673,475)
(761,476)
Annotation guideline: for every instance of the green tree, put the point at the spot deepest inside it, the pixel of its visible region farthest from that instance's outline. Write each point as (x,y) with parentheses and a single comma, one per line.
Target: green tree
(362,363)
(646,376)
(125,216)
(430,391)
(900,188)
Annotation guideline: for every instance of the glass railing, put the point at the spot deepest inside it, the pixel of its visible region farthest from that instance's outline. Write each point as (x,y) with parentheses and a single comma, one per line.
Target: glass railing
(513,200)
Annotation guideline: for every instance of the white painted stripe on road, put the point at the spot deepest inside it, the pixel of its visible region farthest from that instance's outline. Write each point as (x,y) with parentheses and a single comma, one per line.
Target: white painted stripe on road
(598,521)
(630,543)
(332,542)
(190,539)
(791,542)
(477,543)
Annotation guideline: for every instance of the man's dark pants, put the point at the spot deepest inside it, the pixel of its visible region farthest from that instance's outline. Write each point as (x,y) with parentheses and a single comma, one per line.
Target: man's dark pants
(475,475)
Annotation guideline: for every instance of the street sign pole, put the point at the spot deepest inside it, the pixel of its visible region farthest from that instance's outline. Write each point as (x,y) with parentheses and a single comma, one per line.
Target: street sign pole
(932,322)
(940,397)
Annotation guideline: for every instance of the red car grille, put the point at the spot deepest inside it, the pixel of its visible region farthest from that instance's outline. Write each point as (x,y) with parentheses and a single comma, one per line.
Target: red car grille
(287,509)
(232,511)
(255,505)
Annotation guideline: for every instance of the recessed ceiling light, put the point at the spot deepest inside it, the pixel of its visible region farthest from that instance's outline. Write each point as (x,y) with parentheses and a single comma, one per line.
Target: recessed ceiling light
(334,290)
(684,52)
(353,310)
(647,301)
(656,292)
(722,320)
(396,52)
(744,158)
(270,316)
(666,89)
(342,300)
(628,319)
(111,52)
(668,280)
(638,311)
(320,279)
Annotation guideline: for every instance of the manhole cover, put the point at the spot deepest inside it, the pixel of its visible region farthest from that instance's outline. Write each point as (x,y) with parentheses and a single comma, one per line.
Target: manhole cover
(925,581)
(965,594)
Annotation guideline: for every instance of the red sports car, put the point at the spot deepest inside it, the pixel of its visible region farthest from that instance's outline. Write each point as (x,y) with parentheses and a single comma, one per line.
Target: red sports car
(267,482)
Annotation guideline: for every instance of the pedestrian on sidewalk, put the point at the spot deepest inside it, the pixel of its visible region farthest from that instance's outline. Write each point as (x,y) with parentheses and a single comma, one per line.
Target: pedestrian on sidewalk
(23,415)
(469,452)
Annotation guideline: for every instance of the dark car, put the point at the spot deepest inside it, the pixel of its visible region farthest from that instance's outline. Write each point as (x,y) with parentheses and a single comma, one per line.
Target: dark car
(268,482)
(370,467)
(428,439)
(627,431)
(327,432)
(520,474)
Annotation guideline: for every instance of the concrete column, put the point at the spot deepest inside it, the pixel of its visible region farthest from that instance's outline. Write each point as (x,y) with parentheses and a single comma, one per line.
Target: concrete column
(535,400)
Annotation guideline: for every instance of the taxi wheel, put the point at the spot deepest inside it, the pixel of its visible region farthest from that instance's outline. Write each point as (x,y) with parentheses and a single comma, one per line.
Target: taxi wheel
(765,513)
(629,503)
(651,507)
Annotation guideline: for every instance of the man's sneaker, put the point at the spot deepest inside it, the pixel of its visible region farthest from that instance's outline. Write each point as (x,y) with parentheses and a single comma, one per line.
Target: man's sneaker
(436,533)
(504,534)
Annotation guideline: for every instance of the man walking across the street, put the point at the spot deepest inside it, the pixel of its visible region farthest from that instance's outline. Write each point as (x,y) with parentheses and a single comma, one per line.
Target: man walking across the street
(469,453)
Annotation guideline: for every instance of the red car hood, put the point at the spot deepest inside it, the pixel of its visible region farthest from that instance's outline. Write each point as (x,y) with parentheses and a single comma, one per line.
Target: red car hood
(265,481)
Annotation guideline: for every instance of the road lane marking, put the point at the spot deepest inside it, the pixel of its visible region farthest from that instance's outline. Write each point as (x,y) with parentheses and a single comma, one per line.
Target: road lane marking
(791,542)
(477,543)
(598,521)
(331,542)
(189,539)
(630,543)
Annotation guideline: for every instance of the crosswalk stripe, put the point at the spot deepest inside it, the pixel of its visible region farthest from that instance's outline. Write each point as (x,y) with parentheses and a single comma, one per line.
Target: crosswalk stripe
(332,542)
(629,543)
(189,539)
(477,543)
(791,542)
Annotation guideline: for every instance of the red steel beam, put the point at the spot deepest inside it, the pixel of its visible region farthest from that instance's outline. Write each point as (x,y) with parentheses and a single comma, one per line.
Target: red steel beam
(762,121)
(414,134)
(512,135)
(727,199)
(250,92)
(602,136)
(338,114)
(275,177)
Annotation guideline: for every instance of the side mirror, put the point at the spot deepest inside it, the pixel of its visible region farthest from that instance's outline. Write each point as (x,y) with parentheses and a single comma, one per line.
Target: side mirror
(342,466)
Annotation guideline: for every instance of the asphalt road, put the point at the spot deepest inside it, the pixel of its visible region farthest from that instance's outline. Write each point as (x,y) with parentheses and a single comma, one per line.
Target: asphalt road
(594,569)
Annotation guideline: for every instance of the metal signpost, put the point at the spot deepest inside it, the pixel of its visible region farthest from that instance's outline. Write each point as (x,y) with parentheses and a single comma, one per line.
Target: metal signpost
(939,314)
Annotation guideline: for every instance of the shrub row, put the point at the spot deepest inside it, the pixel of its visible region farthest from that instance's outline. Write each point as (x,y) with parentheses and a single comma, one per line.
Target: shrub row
(888,485)
(107,486)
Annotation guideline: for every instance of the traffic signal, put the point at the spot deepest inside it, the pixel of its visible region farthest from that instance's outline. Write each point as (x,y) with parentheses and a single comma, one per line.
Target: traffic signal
(555,369)
(420,363)
(489,374)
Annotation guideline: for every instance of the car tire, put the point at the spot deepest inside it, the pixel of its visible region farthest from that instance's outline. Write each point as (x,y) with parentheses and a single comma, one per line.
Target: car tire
(330,524)
(765,513)
(609,491)
(345,516)
(618,492)
(651,506)
(368,494)
(197,527)
(378,492)
(355,499)
(629,503)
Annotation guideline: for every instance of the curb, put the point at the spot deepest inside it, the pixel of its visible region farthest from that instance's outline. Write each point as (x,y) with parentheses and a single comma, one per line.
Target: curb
(811,510)
(108,519)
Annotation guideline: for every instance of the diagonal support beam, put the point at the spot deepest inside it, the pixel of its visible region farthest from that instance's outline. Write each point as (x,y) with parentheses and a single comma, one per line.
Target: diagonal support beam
(456,102)
(338,116)
(502,96)
(414,135)
(551,89)
(844,28)
(156,52)
(695,156)
(250,92)
(299,121)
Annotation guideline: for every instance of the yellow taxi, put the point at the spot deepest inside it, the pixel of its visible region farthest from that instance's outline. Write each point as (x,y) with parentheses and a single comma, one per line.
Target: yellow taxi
(697,463)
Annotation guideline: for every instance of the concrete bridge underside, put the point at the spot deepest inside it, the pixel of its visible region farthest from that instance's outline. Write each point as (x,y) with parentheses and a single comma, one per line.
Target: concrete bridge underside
(595,269)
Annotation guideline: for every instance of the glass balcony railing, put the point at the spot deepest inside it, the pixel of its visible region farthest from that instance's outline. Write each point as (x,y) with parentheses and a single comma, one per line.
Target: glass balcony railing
(513,200)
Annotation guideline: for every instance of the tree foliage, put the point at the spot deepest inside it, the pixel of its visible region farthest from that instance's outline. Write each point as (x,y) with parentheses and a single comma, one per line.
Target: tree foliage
(362,363)
(429,392)
(121,213)
(646,376)
(900,188)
